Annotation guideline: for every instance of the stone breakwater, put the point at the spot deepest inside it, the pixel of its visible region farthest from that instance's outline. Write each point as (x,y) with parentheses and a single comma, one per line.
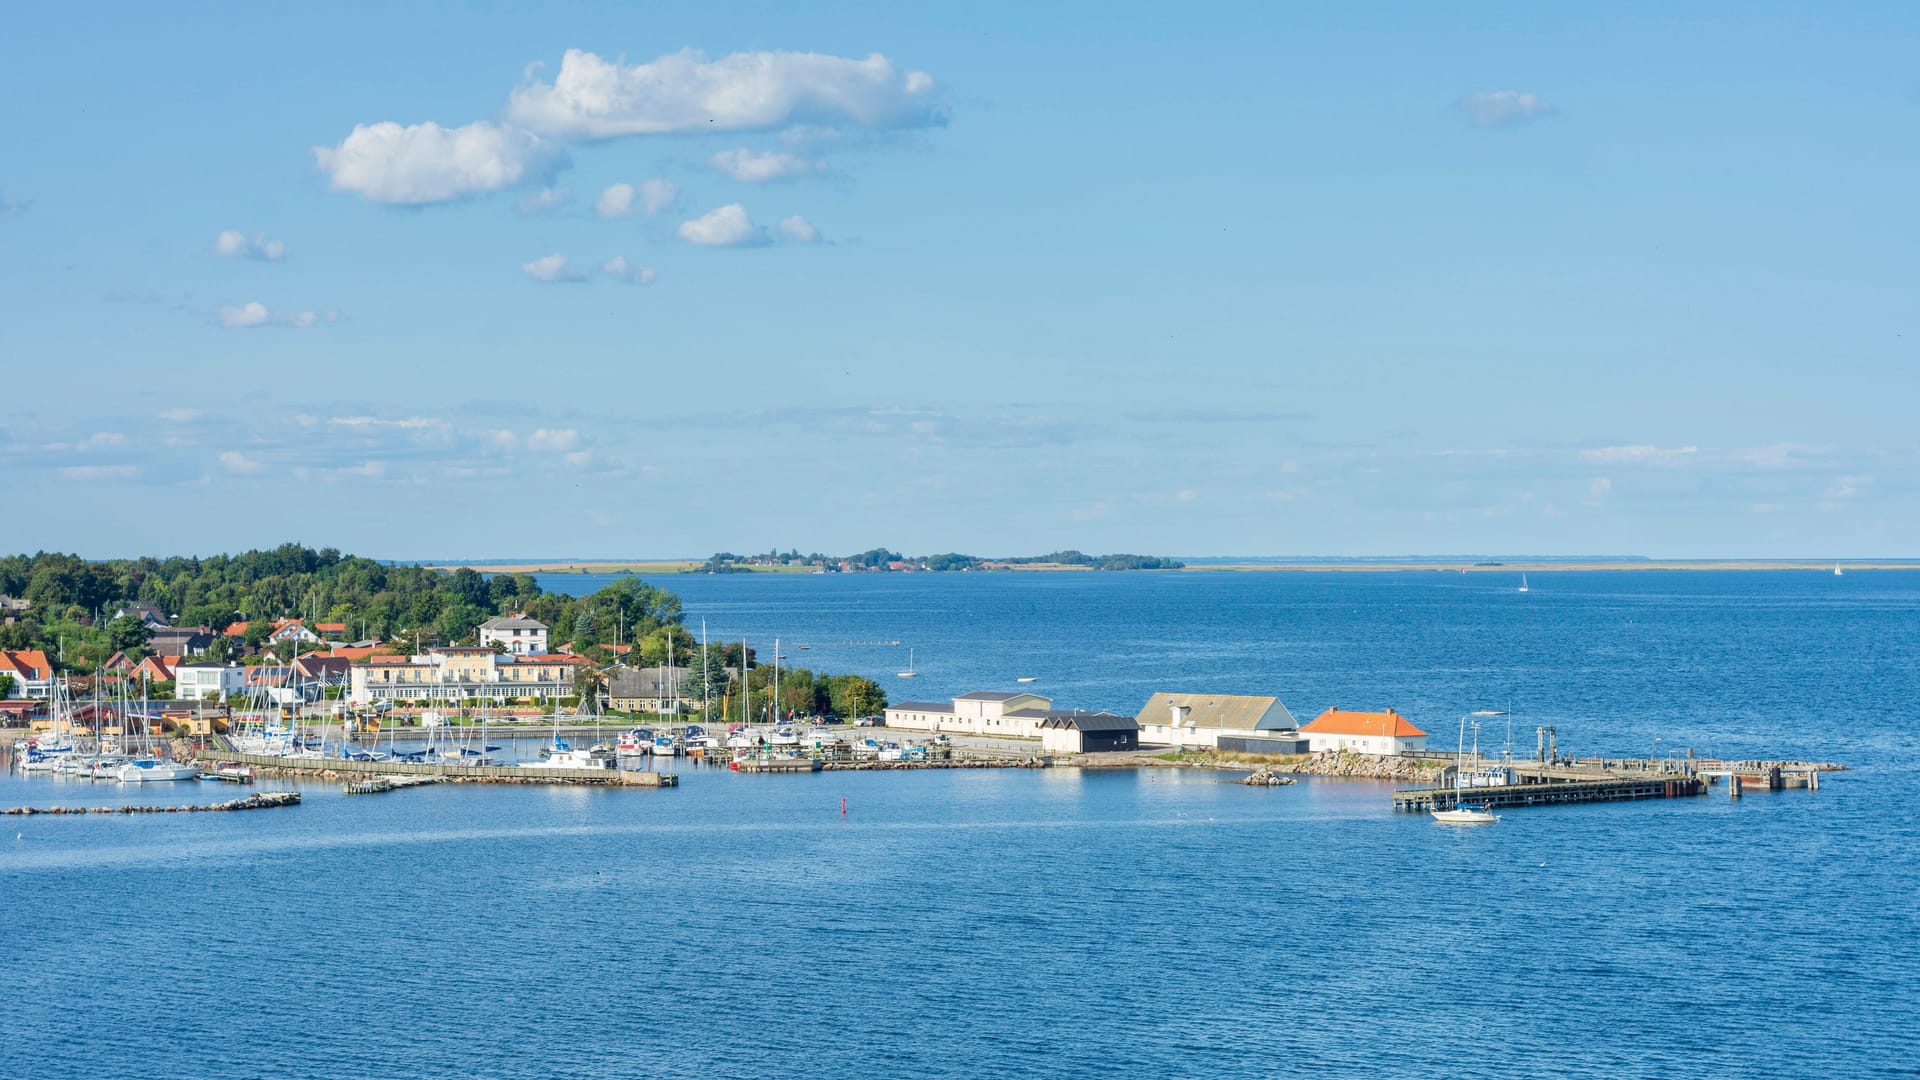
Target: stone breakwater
(264,800)
(1340,764)
(1267,776)
(956,763)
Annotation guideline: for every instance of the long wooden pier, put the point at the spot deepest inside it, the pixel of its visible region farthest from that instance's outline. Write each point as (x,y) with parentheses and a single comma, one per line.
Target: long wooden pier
(1653,786)
(485,773)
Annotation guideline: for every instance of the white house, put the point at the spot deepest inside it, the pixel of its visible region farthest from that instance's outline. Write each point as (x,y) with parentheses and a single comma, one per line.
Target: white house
(982,712)
(515,633)
(31,670)
(1202,720)
(459,673)
(1364,733)
(193,682)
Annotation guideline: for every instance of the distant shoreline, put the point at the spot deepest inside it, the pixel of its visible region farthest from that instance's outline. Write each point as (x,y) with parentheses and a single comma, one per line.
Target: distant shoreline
(692,565)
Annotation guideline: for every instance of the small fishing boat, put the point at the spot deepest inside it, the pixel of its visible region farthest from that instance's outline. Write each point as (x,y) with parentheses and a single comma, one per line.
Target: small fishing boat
(1466,814)
(232,773)
(1027,678)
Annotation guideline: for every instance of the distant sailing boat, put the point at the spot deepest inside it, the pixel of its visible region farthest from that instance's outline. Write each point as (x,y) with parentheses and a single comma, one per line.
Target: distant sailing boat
(1523,583)
(909,673)
(1836,570)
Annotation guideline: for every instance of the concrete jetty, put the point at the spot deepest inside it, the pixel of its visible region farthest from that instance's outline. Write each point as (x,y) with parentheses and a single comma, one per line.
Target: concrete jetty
(259,800)
(342,768)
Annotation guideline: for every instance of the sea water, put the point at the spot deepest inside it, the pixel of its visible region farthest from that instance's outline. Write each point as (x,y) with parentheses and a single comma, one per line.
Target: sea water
(1160,922)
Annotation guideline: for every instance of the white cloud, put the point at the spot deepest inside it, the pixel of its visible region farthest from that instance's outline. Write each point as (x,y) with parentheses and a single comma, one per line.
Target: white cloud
(616,201)
(657,195)
(620,269)
(547,198)
(1599,487)
(553,268)
(180,416)
(235,461)
(579,458)
(554,440)
(752,168)
(234,244)
(1847,487)
(799,230)
(727,226)
(405,423)
(98,472)
(1503,107)
(1640,454)
(254,313)
(426,163)
(100,439)
(594,98)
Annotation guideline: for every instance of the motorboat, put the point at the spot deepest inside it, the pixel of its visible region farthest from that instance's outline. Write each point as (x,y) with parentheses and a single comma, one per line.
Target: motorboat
(666,745)
(155,770)
(785,737)
(1466,814)
(564,758)
(233,773)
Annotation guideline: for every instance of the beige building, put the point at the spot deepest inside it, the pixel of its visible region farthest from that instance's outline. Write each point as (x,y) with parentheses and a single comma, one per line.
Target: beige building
(1203,720)
(464,672)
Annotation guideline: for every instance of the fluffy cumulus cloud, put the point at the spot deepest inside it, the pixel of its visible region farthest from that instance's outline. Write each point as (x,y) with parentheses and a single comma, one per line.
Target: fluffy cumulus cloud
(554,268)
(799,230)
(620,269)
(254,313)
(657,195)
(615,201)
(1503,107)
(728,226)
(234,244)
(752,168)
(595,98)
(426,163)
(235,461)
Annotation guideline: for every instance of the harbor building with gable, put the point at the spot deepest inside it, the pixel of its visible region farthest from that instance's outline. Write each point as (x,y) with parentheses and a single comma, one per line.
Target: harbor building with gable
(1242,723)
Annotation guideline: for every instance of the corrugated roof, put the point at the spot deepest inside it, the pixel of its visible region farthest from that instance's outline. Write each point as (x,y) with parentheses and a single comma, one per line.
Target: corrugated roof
(922,706)
(1343,722)
(990,695)
(1237,712)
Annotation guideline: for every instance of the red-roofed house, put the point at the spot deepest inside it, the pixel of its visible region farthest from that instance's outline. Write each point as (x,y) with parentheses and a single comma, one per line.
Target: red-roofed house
(236,630)
(292,630)
(1364,733)
(331,629)
(32,674)
(157,668)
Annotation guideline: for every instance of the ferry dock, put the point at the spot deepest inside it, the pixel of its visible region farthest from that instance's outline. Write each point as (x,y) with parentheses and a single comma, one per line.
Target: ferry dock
(1535,784)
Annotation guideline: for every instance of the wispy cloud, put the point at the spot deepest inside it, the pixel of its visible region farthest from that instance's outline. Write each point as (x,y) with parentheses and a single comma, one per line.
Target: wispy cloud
(98,472)
(798,230)
(750,167)
(1639,454)
(620,269)
(235,461)
(1500,108)
(254,314)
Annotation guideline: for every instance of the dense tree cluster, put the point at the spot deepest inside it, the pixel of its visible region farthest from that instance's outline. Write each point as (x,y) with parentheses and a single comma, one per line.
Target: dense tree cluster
(74,601)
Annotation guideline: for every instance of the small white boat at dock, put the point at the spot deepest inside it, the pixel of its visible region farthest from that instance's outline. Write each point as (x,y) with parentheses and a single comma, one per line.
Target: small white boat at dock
(1466,814)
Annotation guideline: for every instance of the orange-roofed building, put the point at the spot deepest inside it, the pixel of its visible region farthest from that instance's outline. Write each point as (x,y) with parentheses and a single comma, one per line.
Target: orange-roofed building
(157,668)
(236,630)
(32,673)
(1364,733)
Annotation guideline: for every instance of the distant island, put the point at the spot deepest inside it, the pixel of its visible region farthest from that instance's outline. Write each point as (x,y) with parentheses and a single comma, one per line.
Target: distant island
(882,561)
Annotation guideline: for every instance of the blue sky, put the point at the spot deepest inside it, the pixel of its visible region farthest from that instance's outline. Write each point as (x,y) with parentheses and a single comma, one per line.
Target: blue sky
(670,279)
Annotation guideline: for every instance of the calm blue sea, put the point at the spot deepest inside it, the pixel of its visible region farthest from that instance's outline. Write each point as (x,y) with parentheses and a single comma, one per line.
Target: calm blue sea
(1012,922)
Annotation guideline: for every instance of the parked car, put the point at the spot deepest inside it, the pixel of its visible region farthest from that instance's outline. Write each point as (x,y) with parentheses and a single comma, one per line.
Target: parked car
(867,721)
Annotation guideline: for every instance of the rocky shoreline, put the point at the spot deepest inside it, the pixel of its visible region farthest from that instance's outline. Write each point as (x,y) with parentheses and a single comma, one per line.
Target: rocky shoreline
(1336,764)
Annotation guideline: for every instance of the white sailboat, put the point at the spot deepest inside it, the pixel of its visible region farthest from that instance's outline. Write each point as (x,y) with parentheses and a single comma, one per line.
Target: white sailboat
(1523,583)
(1836,570)
(909,673)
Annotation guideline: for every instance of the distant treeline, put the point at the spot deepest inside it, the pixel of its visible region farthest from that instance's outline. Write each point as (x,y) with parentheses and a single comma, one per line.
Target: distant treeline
(882,560)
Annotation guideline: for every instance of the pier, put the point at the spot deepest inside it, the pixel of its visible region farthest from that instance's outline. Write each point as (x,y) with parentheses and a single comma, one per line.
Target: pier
(1652,786)
(498,774)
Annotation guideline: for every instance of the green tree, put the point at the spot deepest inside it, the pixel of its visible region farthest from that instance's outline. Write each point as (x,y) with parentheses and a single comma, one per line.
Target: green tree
(855,695)
(128,635)
(6,686)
